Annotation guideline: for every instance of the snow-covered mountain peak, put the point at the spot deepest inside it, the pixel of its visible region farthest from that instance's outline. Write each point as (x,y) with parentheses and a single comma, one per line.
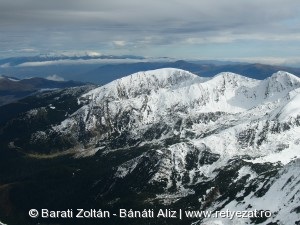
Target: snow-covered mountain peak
(145,82)
(281,83)
(161,78)
(232,81)
(145,99)
(229,77)
(163,89)
(282,76)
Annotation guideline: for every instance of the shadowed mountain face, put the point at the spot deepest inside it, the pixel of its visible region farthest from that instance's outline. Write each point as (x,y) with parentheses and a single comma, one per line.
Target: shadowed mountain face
(158,139)
(12,89)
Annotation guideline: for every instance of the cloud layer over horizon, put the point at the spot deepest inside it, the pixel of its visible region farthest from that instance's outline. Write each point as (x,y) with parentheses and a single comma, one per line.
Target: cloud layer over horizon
(220,29)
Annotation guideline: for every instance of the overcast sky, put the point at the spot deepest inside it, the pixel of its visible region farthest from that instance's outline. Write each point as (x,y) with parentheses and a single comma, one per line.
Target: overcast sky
(204,29)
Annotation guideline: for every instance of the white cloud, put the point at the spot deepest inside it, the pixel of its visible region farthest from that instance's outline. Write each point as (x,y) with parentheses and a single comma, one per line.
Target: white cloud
(28,50)
(77,53)
(5,65)
(119,43)
(228,37)
(288,61)
(55,77)
(93,54)
(77,61)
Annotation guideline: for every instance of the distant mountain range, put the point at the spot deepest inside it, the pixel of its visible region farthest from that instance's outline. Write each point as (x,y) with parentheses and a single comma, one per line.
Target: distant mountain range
(107,73)
(12,89)
(102,69)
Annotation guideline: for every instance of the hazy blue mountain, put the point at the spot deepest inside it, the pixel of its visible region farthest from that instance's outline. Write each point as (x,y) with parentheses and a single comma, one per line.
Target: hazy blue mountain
(12,89)
(107,73)
(103,69)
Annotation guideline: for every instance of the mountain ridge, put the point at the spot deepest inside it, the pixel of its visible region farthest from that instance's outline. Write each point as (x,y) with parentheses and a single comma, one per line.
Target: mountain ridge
(148,101)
